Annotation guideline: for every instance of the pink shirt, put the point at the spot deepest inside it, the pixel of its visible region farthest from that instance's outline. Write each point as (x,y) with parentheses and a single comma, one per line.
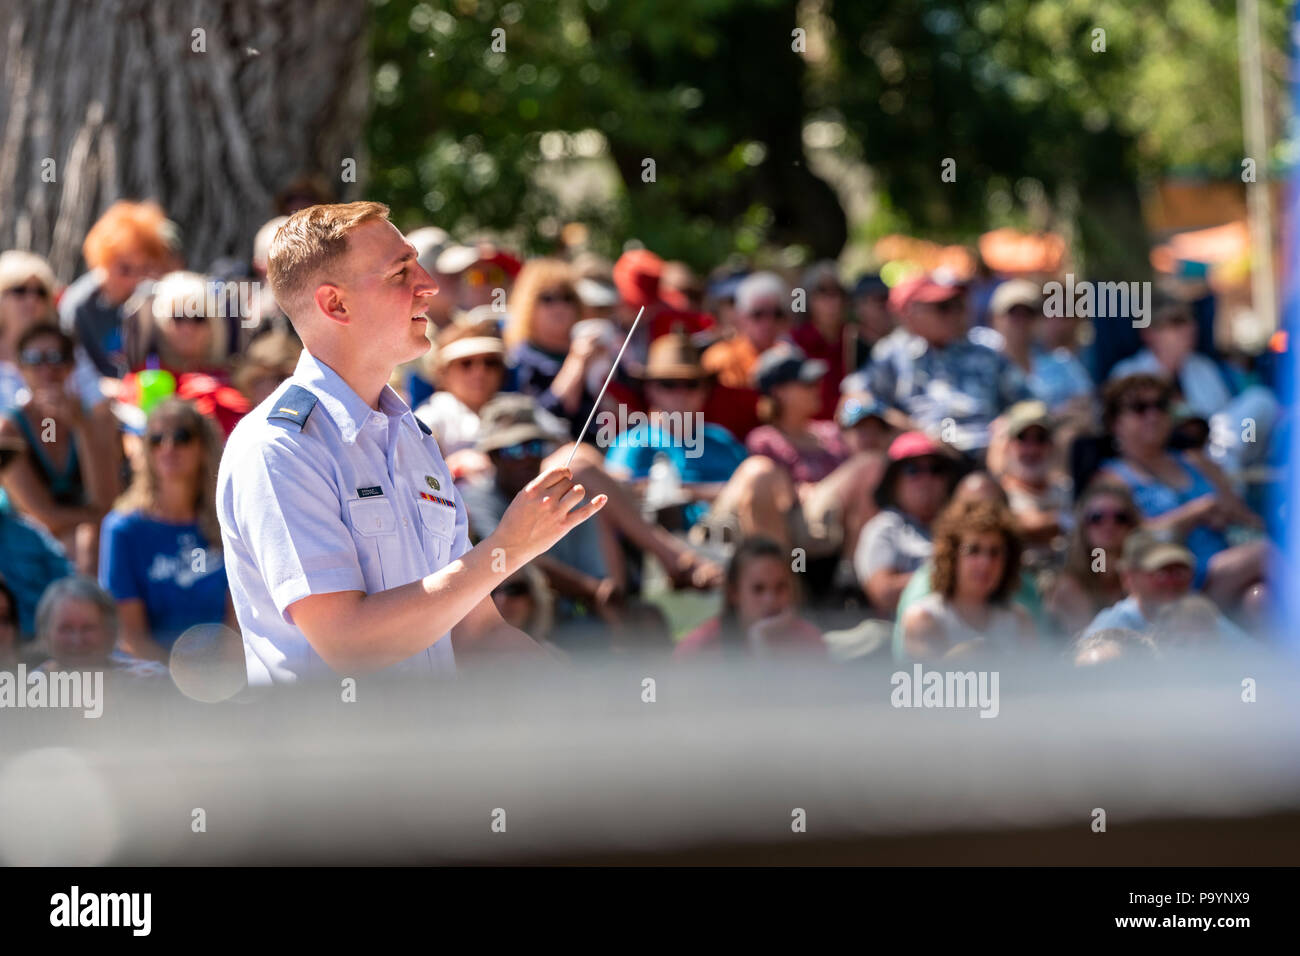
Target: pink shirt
(804,465)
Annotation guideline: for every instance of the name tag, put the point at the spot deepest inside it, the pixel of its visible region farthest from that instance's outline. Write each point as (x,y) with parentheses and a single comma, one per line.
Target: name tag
(372,492)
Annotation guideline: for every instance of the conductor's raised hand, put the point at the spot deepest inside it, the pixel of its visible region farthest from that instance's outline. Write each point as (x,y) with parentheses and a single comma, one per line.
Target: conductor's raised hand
(543,513)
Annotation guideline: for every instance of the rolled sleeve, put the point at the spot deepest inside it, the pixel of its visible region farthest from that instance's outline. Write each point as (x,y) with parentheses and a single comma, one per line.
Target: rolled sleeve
(290,516)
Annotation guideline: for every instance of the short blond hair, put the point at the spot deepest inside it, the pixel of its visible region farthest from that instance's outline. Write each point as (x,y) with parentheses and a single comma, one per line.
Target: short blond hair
(310,242)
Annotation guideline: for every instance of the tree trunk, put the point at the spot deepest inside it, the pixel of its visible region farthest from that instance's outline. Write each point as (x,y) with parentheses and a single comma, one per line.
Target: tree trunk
(207,106)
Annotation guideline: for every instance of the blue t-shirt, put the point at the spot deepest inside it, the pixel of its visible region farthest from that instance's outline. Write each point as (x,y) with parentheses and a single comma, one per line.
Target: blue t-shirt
(713,457)
(169,567)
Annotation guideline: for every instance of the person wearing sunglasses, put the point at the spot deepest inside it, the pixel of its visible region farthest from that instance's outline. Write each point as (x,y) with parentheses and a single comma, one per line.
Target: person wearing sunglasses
(1184,495)
(468,370)
(161,554)
(1090,579)
(587,569)
(913,490)
(183,330)
(551,362)
(1169,351)
(1039,495)
(976,573)
(827,482)
(515,444)
(68,476)
(185,338)
(1019,331)
(760,319)
(932,372)
(1157,578)
(476,274)
(130,243)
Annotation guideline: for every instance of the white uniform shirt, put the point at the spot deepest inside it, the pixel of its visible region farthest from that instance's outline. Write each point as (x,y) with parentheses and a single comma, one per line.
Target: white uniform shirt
(349,499)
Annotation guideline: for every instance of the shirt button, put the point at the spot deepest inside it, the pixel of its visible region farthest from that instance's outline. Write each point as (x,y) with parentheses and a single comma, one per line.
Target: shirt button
(377,418)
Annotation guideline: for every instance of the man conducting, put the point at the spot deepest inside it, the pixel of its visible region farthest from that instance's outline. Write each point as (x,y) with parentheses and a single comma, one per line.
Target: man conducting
(345,541)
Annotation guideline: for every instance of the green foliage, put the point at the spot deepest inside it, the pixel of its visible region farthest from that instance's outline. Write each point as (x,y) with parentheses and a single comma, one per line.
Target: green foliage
(1012,90)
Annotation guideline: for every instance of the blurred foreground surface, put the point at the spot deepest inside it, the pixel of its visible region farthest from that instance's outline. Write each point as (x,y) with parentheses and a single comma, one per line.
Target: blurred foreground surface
(578,768)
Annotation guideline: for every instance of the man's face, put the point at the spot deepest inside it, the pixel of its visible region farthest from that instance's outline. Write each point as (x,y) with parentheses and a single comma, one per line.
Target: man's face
(686,396)
(922,487)
(1017,324)
(1031,454)
(939,323)
(1155,589)
(765,321)
(1172,338)
(386,291)
(78,636)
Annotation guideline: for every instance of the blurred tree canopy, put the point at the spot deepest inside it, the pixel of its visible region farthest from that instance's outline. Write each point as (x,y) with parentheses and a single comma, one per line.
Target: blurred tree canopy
(494,115)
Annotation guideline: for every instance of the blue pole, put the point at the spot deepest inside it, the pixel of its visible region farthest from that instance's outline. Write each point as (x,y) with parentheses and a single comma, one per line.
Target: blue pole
(1287,510)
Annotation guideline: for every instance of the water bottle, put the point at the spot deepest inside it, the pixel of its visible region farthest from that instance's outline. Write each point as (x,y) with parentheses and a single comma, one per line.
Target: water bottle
(665,485)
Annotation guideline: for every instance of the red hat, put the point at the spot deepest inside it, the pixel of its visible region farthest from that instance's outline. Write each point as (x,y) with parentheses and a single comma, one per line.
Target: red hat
(636,276)
(926,287)
(913,445)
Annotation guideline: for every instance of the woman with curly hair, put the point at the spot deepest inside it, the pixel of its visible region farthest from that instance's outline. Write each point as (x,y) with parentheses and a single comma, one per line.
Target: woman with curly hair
(160,548)
(976,571)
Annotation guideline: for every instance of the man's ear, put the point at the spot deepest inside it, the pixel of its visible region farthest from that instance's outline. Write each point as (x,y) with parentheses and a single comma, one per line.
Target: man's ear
(329,301)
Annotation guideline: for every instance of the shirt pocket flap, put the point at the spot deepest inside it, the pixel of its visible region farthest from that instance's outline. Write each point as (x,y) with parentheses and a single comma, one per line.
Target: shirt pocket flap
(439,519)
(371,516)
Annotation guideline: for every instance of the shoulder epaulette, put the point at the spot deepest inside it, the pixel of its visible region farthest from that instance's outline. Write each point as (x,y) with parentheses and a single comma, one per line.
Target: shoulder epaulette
(293,407)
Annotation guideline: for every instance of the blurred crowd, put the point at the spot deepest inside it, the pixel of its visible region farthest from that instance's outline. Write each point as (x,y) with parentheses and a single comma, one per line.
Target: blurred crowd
(846,468)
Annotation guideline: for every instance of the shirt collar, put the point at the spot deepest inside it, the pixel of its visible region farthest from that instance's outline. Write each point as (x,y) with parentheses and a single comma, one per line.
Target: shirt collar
(348,409)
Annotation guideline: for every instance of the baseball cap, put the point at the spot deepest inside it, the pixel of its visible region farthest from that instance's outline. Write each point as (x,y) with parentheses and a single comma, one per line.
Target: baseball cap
(509,419)
(914,444)
(758,286)
(786,363)
(928,287)
(1015,292)
(1144,551)
(1023,415)
(596,293)
(870,284)
(455,259)
(858,408)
